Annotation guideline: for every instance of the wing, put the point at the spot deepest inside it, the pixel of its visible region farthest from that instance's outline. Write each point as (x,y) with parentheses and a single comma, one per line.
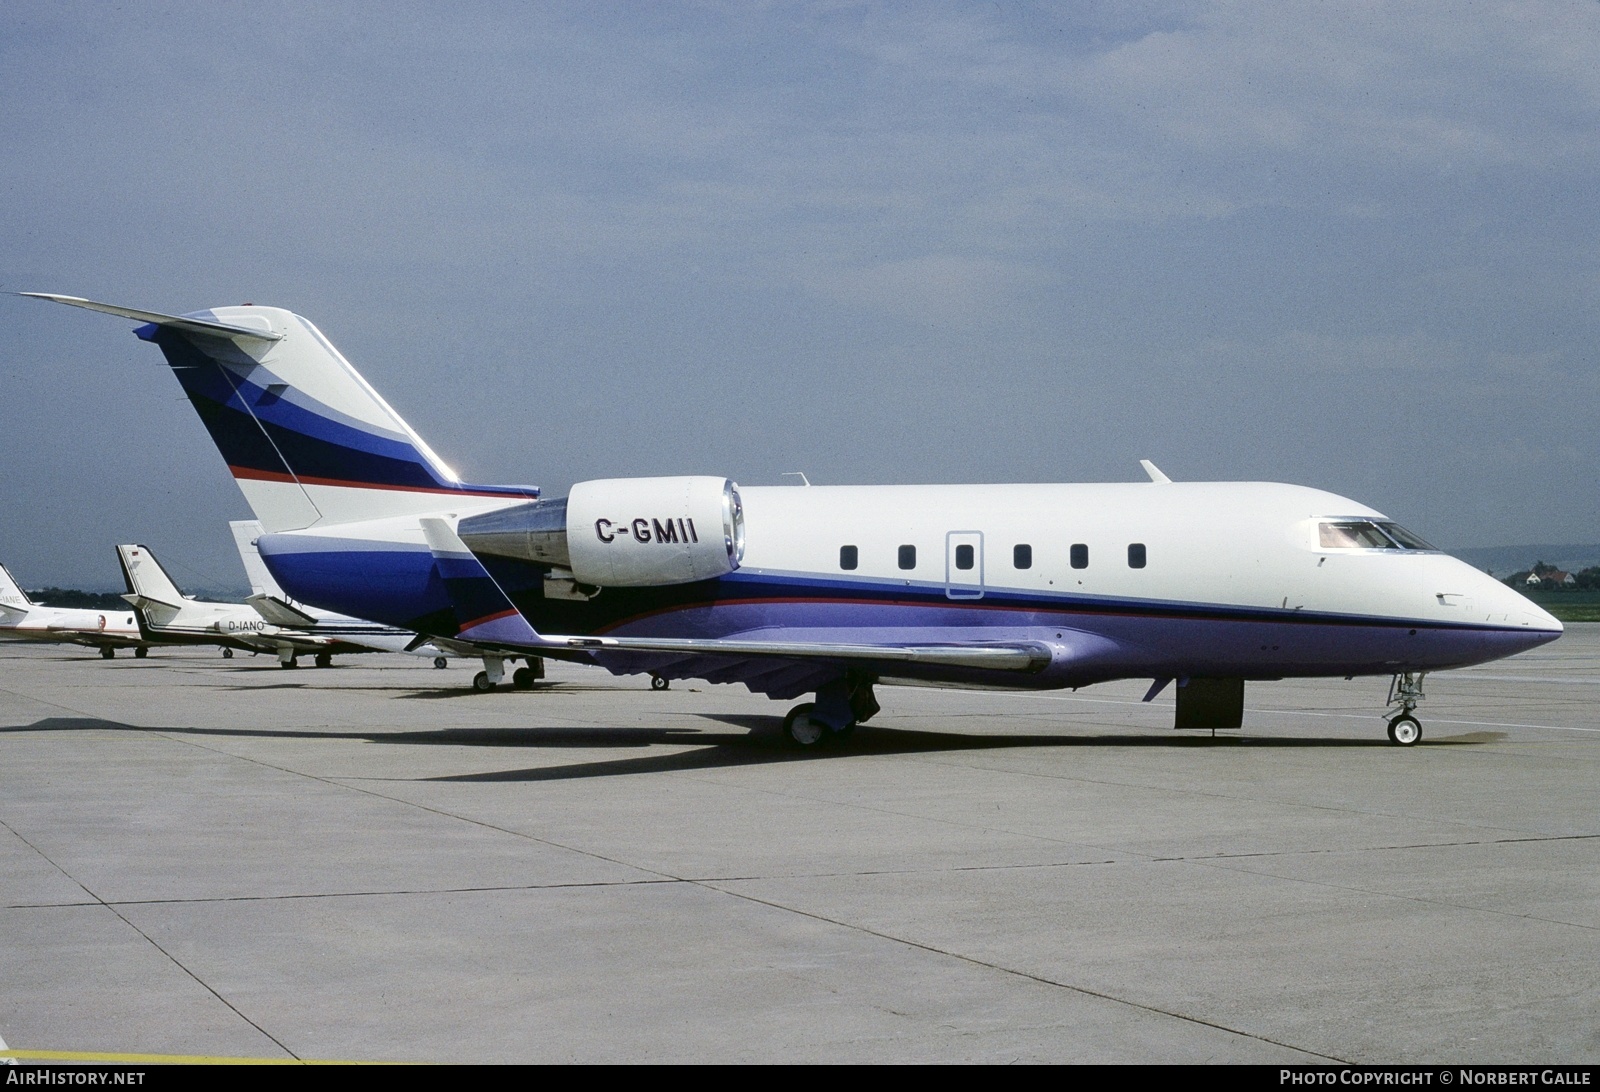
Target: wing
(787,669)
(1018,657)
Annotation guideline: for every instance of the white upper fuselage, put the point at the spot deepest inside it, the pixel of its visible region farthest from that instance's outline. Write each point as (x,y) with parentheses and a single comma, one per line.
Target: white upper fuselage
(1235,544)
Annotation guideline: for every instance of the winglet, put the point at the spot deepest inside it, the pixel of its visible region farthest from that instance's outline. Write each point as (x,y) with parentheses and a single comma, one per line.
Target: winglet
(1154,471)
(179,322)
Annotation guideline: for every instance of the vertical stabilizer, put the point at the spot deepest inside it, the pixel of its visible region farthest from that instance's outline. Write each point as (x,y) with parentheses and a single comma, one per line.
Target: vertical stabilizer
(146,578)
(307,439)
(11,593)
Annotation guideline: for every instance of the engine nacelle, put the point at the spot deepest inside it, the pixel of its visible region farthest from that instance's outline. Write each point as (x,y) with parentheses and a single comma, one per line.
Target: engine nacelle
(641,532)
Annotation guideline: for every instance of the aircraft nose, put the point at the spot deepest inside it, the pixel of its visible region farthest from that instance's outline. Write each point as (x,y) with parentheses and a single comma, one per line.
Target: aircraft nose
(1506,603)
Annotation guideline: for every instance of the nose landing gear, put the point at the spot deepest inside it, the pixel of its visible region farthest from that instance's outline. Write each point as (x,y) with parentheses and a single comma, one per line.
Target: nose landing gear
(1405,691)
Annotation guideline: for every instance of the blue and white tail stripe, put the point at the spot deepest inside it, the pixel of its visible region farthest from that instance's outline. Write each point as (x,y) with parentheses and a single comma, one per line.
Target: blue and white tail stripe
(296,411)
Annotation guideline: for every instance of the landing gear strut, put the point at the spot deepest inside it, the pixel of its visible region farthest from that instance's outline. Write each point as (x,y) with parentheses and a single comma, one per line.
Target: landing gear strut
(1405,691)
(494,669)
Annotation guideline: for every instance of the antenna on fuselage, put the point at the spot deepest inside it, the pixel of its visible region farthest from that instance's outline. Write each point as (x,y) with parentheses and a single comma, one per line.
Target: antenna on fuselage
(796,474)
(1154,471)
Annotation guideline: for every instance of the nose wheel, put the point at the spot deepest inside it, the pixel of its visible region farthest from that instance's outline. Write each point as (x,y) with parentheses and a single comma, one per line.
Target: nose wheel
(1405,730)
(1405,691)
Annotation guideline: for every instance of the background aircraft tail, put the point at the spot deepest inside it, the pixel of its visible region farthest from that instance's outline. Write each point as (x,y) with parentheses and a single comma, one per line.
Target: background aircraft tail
(305,436)
(12,593)
(150,589)
(245,533)
(12,597)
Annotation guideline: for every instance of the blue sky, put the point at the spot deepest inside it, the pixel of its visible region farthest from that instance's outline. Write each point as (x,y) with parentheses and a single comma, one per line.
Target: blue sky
(1350,246)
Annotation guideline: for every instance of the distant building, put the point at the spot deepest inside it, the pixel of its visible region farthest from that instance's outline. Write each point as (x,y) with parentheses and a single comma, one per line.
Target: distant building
(1550,578)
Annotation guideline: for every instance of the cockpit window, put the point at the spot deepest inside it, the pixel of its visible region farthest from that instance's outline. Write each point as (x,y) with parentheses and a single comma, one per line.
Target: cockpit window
(1405,538)
(1366,535)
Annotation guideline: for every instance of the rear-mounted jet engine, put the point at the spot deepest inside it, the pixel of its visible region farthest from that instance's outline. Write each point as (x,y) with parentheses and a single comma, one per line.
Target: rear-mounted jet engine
(622,532)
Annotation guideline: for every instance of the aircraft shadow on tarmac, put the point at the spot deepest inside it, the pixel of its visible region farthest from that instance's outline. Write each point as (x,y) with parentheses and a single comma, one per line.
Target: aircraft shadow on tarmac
(760,741)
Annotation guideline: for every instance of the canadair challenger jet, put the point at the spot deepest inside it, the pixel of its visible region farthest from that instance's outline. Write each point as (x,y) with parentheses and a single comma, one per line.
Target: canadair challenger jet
(825,590)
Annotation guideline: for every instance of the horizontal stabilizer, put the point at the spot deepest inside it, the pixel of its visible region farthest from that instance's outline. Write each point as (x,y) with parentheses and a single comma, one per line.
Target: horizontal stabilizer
(145,602)
(176,322)
(8,613)
(992,657)
(279,613)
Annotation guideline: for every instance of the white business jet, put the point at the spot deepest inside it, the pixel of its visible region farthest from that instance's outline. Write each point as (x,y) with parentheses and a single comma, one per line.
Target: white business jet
(266,622)
(21,619)
(826,590)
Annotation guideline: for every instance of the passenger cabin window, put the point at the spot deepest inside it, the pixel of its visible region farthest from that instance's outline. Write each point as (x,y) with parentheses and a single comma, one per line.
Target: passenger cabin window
(1022,556)
(908,557)
(1080,556)
(1368,535)
(849,558)
(963,557)
(1135,555)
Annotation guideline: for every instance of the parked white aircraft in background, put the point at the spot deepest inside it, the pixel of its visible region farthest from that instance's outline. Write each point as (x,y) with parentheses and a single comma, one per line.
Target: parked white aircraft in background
(21,619)
(266,622)
(792,590)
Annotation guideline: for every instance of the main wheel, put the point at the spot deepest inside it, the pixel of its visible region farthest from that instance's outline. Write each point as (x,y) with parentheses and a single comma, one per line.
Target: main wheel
(1404,730)
(107,652)
(440,663)
(291,662)
(227,654)
(141,652)
(801,729)
(481,683)
(522,678)
(324,659)
(659,683)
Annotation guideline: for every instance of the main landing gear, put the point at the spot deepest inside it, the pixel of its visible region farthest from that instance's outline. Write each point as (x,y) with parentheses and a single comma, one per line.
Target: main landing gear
(494,671)
(659,682)
(1405,691)
(840,706)
(107,652)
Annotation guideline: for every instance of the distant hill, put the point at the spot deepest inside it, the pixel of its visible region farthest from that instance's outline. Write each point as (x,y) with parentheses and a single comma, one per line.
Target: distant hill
(1502,561)
(82,600)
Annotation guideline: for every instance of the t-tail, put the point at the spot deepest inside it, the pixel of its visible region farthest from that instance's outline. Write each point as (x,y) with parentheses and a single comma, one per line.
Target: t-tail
(150,589)
(308,440)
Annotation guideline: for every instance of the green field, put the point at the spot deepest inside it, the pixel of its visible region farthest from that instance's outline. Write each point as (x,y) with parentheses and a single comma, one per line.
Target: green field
(1573,606)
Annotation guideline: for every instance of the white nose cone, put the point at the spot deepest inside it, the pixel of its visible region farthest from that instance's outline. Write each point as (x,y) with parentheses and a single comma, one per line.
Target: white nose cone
(1500,603)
